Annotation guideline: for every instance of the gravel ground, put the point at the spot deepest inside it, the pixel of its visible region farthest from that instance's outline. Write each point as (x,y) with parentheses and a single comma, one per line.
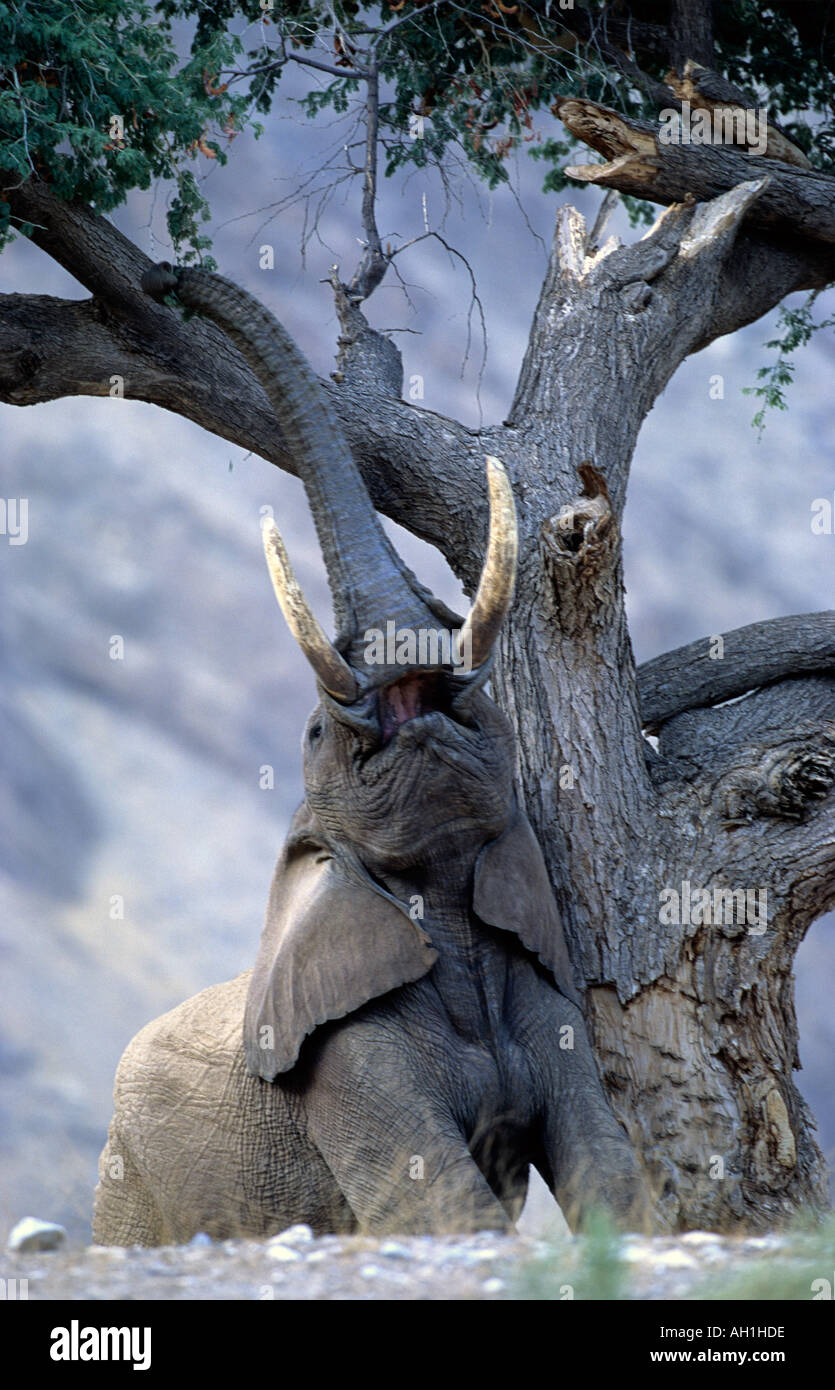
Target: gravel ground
(294,1265)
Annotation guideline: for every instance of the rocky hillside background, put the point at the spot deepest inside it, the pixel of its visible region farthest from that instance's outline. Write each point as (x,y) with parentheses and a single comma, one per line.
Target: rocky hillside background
(136,781)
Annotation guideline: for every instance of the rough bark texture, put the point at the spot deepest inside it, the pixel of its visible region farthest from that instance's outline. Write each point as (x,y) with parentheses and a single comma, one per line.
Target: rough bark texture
(693,1021)
(691,31)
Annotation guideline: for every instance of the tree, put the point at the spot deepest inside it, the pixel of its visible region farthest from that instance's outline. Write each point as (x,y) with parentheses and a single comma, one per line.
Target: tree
(658,846)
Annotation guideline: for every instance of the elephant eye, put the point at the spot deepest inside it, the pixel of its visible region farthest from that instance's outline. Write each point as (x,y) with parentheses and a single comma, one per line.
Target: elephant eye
(315,732)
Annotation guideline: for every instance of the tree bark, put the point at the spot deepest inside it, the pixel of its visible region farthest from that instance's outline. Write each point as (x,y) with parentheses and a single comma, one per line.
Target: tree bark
(795,203)
(693,1020)
(691,32)
(52,347)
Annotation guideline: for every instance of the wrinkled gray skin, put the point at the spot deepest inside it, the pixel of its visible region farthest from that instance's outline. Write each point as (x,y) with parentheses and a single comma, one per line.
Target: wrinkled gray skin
(412,1039)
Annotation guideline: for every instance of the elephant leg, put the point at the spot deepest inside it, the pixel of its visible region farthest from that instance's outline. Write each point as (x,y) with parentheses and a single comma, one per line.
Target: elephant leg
(395,1150)
(591,1164)
(124,1212)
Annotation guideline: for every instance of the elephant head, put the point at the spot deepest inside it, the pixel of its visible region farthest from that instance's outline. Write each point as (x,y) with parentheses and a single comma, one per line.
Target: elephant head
(410,758)
(408,763)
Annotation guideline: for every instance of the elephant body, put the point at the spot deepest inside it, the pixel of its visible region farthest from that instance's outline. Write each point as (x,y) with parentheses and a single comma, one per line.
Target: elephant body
(409,1116)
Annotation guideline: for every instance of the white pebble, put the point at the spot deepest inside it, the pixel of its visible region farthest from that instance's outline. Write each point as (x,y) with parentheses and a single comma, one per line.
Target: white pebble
(282,1252)
(764,1242)
(394,1251)
(699,1238)
(32,1234)
(294,1235)
(634,1253)
(675,1259)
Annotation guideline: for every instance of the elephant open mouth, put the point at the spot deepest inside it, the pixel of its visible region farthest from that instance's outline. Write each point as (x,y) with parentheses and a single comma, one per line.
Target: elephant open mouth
(415,695)
(428,711)
(421,711)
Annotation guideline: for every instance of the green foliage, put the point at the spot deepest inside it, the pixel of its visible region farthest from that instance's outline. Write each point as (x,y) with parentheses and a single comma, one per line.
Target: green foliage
(482,76)
(99,97)
(798,326)
(602,1272)
(95,101)
(593,1267)
(590,1268)
(777,1280)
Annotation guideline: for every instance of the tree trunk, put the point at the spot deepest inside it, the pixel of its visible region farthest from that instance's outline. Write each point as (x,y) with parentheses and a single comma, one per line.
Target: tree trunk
(692,1020)
(691,1014)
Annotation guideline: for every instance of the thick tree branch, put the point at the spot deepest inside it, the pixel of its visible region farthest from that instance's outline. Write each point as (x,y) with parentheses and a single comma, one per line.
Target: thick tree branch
(709,91)
(799,203)
(759,271)
(745,795)
(691,32)
(639,310)
(652,40)
(52,348)
(720,668)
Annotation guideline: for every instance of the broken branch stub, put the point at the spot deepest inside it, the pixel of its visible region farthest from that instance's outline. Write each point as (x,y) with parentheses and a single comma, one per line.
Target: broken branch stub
(639,162)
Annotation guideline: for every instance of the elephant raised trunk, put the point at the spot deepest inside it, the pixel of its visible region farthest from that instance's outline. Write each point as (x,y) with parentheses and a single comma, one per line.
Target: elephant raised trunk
(368,580)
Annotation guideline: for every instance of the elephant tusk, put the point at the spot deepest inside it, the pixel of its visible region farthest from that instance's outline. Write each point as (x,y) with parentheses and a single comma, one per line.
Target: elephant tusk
(332,669)
(495,589)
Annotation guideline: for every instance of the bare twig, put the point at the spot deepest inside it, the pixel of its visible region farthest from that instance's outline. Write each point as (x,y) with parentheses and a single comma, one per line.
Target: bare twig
(475,301)
(400,20)
(358,74)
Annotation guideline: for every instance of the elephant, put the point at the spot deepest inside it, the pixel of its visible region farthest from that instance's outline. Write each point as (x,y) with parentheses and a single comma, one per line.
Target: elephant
(411,1038)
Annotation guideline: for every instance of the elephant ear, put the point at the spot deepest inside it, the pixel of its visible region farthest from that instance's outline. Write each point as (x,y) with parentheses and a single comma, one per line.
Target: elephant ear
(512,891)
(332,940)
